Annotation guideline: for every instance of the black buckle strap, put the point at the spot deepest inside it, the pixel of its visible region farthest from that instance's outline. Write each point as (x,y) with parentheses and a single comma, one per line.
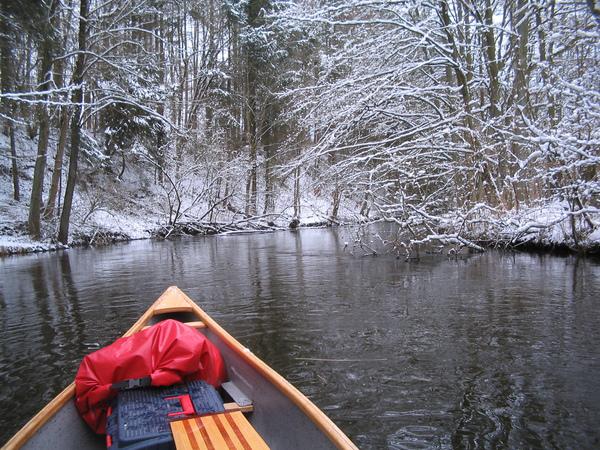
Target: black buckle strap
(132,383)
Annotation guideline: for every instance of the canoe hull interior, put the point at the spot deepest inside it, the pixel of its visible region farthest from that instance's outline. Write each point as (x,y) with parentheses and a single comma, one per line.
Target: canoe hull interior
(280,422)
(66,430)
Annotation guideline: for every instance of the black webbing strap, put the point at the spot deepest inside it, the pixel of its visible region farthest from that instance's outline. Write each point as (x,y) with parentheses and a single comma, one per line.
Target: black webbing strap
(132,383)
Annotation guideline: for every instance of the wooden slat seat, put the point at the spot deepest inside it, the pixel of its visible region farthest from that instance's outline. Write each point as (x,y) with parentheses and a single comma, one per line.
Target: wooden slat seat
(223,431)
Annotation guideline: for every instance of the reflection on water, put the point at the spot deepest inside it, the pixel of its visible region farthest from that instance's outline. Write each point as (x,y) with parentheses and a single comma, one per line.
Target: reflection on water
(494,350)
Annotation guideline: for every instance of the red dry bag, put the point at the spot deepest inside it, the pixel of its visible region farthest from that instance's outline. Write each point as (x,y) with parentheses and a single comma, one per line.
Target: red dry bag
(168,353)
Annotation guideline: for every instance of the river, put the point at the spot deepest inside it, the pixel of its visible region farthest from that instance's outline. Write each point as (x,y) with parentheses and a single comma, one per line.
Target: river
(497,350)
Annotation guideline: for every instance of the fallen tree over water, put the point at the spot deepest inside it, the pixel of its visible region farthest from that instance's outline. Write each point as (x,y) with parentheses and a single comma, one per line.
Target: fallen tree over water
(552,227)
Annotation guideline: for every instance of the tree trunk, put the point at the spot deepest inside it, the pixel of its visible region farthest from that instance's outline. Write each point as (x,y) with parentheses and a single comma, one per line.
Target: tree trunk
(521,77)
(63,234)
(63,126)
(297,206)
(269,197)
(160,150)
(255,19)
(58,163)
(492,64)
(39,172)
(14,166)
(337,196)
(7,85)
(252,139)
(494,90)
(461,77)
(483,181)
(46,51)
(253,179)
(520,90)
(545,55)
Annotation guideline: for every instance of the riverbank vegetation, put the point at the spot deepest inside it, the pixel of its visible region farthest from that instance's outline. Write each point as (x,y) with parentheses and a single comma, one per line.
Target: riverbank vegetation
(463,122)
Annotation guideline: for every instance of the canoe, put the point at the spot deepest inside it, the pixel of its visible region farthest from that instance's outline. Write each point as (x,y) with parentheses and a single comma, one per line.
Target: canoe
(283,417)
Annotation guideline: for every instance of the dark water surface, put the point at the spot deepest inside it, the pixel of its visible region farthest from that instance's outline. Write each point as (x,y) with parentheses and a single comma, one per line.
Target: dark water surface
(492,351)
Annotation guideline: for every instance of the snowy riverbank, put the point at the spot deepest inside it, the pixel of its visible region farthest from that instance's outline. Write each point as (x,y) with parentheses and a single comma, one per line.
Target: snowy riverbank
(109,208)
(13,241)
(537,229)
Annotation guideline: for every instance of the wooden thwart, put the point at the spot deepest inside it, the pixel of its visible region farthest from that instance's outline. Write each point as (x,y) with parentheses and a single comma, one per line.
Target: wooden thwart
(197,324)
(224,431)
(233,406)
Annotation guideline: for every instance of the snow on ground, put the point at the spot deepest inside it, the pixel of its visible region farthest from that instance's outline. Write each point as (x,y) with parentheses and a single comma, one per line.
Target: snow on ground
(136,227)
(592,241)
(22,244)
(549,225)
(130,207)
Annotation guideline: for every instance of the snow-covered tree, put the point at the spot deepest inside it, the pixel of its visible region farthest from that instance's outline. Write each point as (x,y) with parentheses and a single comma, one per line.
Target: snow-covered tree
(440,115)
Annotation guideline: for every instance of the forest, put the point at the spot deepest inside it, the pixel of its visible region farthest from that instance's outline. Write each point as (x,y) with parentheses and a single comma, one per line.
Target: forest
(464,122)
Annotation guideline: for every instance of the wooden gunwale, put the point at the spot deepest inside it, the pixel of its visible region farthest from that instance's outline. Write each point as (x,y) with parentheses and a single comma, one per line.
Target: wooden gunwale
(37,421)
(175,300)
